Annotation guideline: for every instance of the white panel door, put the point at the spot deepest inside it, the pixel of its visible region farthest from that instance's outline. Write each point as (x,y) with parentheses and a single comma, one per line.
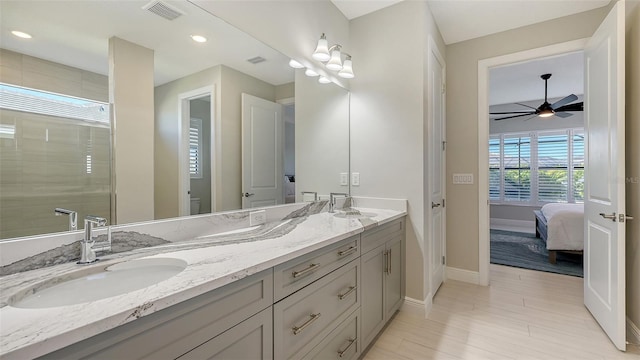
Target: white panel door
(262,152)
(604,248)
(436,191)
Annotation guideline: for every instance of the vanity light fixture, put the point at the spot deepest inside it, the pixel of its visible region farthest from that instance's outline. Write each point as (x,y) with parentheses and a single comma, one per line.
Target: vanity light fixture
(332,57)
(198,38)
(311,73)
(21,34)
(323,80)
(295,64)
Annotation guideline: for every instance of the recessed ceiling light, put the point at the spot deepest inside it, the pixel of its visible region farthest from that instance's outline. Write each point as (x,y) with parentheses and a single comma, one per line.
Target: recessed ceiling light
(199,38)
(21,34)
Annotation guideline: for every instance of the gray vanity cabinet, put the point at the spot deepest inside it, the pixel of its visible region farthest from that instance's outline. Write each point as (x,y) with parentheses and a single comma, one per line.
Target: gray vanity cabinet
(251,339)
(303,319)
(382,277)
(181,328)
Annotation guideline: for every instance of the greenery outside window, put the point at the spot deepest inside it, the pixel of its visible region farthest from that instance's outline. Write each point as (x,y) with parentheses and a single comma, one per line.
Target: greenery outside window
(537,167)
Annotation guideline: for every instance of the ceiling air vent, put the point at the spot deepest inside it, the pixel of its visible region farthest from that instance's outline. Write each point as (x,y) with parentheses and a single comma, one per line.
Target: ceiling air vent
(256,60)
(163,10)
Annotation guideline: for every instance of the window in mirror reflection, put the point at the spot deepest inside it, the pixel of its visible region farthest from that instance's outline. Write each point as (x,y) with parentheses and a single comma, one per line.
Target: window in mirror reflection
(55,152)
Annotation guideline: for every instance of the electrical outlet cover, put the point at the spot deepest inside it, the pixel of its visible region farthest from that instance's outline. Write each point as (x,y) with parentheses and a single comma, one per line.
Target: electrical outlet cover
(355,179)
(344,179)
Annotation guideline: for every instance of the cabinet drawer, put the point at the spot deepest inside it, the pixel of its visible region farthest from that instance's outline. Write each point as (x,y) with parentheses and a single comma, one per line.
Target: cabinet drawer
(375,237)
(342,343)
(302,271)
(252,339)
(305,317)
(176,330)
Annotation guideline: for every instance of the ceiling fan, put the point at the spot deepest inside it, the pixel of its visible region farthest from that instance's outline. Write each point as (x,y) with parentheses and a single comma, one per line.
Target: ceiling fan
(559,108)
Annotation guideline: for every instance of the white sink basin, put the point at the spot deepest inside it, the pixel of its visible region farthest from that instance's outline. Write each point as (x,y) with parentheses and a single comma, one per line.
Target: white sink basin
(99,283)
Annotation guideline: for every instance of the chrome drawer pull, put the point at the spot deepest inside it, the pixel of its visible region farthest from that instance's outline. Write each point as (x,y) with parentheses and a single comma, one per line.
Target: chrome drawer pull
(298,329)
(389,255)
(386,261)
(350,250)
(351,289)
(311,267)
(351,342)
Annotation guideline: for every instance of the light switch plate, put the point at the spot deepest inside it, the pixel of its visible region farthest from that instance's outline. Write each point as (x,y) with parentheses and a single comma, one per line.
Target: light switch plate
(463,179)
(257,217)
(344,179)
(355,179)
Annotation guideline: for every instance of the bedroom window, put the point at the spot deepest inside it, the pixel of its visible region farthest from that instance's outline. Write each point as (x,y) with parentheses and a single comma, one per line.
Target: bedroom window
(195,148)
(536,167)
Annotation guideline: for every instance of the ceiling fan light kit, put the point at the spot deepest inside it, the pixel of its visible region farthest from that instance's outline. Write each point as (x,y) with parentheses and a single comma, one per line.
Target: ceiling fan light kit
(560,108)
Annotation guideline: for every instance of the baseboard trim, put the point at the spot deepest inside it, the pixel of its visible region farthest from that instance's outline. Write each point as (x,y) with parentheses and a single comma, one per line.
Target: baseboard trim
(414,306)
(513,225)
(633,332)
(467,276)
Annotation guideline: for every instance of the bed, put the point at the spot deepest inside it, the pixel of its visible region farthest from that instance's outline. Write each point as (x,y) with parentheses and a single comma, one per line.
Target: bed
(561,226)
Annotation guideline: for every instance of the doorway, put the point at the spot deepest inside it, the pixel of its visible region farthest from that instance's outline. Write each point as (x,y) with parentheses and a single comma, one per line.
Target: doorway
(196,181)
(536,164)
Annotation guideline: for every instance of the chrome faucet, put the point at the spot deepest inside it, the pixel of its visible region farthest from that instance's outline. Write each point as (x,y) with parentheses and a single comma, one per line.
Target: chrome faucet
(332,200)
(87,254)
(73,217)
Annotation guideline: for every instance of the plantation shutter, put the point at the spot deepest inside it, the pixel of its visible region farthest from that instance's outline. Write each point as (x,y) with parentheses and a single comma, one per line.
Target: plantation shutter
(195,148)
(553,167)
(494,168)
(517,168)
(577,166)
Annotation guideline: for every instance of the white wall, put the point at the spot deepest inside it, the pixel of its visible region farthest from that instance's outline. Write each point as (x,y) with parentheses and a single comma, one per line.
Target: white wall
(462,117)
(131,92)
(322,127)
(388,115)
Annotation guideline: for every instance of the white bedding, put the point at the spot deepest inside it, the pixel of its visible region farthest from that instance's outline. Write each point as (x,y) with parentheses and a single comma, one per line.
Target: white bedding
(565,226)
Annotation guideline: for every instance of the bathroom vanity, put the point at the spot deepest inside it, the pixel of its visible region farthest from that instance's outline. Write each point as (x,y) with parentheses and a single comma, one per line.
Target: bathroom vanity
(318,287)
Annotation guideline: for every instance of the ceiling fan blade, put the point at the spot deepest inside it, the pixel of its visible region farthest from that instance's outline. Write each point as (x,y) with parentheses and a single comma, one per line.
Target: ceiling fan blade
(509,112)
(571,107)
(562,114)
(564,101)
(515,116)
(525,105)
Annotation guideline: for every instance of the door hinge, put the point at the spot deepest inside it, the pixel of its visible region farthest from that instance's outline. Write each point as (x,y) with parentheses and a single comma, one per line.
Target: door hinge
(443,260)
(444,203)
(444,145)
(444,88)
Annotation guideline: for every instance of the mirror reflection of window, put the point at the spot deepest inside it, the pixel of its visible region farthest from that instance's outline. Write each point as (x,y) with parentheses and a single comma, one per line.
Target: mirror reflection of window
(55,153)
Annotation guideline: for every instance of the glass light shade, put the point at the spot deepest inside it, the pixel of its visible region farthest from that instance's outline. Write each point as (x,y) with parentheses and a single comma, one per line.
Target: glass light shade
(323,80)
(311,73)
(294,64)
(545,113)
(322,50)
(347,69)
(335,63)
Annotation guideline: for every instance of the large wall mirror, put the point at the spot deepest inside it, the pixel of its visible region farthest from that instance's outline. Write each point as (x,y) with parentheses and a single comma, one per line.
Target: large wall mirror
(209,99)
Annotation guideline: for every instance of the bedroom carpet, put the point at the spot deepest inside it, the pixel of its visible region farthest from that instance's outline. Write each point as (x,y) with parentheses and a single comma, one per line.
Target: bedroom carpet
(528,252)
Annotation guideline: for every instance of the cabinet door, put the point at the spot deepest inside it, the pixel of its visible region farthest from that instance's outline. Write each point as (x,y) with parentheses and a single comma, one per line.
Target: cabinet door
(393,277)
(251,339)
(372,292)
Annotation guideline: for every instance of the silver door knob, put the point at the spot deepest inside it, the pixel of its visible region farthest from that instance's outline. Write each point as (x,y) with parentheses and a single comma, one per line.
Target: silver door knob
(611,217)
(247,194)
(434,205)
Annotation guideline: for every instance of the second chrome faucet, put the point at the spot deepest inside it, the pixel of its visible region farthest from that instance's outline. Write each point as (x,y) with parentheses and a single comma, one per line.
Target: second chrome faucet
(87,254)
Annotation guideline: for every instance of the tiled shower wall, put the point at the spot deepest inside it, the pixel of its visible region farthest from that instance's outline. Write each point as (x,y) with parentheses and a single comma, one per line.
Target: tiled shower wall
(45,164)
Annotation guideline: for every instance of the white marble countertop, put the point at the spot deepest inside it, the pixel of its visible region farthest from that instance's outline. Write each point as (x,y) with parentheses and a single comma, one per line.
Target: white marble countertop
(28,333)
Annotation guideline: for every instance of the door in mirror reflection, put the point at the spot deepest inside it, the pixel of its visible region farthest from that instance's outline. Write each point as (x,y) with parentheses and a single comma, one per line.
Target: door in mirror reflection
(262,152)
(200,155)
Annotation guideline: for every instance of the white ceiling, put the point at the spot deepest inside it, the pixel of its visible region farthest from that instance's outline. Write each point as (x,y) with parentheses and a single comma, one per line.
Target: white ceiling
(521,82)
(76,33)
(460,20)
(355,8)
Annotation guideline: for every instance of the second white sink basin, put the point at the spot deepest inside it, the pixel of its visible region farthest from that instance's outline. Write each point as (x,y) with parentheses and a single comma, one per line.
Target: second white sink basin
(100,283)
